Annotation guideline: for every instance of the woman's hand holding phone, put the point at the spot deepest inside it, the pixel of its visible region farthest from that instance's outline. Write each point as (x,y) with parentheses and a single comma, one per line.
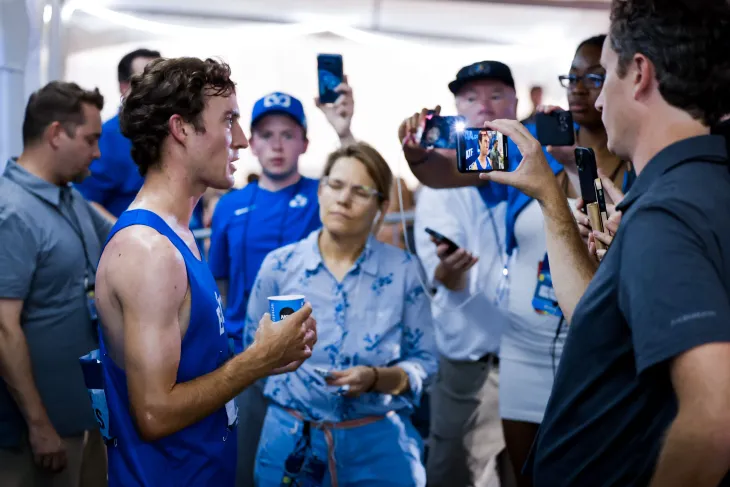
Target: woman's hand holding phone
(454,266)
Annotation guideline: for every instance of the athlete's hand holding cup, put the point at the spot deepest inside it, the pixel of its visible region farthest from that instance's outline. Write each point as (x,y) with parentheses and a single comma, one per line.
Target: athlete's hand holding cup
(288,339)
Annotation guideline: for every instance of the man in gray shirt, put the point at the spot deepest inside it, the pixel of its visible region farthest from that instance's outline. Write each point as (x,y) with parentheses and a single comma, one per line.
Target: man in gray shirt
(51,243)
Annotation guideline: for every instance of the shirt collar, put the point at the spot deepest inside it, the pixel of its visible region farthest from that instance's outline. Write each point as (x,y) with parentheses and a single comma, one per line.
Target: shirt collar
(700,148)
(32,183)
(367,261)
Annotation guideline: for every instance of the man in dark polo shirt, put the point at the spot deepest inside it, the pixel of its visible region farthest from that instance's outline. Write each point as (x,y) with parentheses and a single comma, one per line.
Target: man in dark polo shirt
(51,241)
(642,393)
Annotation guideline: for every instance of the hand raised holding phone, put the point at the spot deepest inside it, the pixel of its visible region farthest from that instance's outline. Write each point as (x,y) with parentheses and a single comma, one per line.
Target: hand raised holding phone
(410,133)
(339,113)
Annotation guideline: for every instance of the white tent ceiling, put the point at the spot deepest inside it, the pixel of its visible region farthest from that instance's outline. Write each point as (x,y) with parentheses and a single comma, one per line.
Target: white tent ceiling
(506,22)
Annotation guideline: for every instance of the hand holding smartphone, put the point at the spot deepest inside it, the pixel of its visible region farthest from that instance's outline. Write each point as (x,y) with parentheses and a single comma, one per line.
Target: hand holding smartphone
(481,150)
(441,132)
(440,239)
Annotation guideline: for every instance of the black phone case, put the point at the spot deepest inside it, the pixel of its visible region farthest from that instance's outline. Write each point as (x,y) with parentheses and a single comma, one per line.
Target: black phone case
(330,74)
(555,128)
(585,160)
(441,239)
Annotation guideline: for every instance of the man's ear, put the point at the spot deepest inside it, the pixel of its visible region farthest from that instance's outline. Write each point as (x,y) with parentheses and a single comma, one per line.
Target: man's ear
(179,128)
(53,134)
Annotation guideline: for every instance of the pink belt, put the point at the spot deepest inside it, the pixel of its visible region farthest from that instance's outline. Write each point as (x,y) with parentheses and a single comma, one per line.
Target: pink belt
(327,426)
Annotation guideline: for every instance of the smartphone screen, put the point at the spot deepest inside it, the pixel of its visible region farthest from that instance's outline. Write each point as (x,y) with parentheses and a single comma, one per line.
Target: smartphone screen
(481,150)
(585,159)
(440,132)
(330,74)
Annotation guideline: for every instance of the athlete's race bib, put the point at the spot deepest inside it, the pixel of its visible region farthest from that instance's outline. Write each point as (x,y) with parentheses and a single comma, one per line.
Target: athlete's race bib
(94,379)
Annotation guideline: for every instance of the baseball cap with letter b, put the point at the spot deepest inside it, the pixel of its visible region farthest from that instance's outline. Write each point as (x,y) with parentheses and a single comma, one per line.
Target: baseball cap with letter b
(280,103)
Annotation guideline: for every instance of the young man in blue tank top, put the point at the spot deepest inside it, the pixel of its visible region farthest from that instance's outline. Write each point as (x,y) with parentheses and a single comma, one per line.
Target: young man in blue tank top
(168,372)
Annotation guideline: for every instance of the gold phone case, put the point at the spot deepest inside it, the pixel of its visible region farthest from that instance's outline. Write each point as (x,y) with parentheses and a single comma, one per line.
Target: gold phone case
(594,215)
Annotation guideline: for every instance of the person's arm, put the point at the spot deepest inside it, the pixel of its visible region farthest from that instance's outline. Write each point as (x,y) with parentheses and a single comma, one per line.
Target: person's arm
(18,256)
(673,297)
(435,168)
(151,294)
(418,346)
(696,450)
(436,210)
(571,266)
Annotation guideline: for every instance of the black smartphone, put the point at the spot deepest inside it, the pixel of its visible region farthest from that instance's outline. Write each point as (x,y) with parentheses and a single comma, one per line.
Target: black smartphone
(555,128)
(441,239)
(585,159)
(481,150)
(330,73)
(440,132)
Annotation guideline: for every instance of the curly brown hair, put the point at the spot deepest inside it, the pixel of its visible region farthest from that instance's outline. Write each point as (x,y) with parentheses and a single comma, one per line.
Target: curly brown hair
(168,87)
(687,41)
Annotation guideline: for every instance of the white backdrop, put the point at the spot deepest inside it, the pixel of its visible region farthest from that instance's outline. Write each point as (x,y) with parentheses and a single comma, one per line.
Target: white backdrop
(391,78)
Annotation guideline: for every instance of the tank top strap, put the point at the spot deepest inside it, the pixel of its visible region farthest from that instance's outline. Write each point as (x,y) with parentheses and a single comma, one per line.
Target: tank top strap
(152,220)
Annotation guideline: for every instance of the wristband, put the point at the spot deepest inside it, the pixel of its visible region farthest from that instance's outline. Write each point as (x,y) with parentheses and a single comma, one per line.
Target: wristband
(375,379)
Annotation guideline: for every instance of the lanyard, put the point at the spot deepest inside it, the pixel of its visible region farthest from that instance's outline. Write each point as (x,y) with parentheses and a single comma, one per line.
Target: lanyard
(75,225)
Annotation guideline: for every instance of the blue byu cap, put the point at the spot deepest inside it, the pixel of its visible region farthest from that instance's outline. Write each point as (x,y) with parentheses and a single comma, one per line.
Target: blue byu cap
(279,103)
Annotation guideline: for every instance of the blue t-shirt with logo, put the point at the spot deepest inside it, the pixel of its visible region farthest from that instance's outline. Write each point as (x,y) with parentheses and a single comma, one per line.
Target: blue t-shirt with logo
(248,224)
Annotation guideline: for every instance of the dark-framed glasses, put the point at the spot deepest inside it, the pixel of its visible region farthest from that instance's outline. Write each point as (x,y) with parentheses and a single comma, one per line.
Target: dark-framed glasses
(590,81)
(359,192)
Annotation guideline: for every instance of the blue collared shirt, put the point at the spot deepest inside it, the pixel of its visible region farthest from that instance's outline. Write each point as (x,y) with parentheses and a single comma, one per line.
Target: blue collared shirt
(378,315)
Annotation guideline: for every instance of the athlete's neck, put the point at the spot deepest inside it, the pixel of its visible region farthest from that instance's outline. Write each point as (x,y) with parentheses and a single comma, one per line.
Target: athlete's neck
(273,185)
(36,162)
(169,196)
(339,250)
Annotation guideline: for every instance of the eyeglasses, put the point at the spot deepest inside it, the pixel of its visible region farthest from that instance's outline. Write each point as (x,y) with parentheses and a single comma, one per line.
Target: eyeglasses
(591,81)
(359,192)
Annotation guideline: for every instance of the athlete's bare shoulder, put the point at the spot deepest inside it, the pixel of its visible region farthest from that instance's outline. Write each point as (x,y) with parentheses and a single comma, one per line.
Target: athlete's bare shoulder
(141,265)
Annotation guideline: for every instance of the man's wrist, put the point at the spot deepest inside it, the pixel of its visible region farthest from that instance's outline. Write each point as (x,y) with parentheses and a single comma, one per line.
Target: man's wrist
(451,280)
(346,137)
(256,361)
(554,202)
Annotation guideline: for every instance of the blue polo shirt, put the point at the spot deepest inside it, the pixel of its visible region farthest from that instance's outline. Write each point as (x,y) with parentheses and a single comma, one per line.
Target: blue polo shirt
(115,178)
(248,224)
(662,289)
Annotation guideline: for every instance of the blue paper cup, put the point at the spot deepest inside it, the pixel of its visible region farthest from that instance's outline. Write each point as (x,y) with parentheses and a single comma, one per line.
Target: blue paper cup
(282,306)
